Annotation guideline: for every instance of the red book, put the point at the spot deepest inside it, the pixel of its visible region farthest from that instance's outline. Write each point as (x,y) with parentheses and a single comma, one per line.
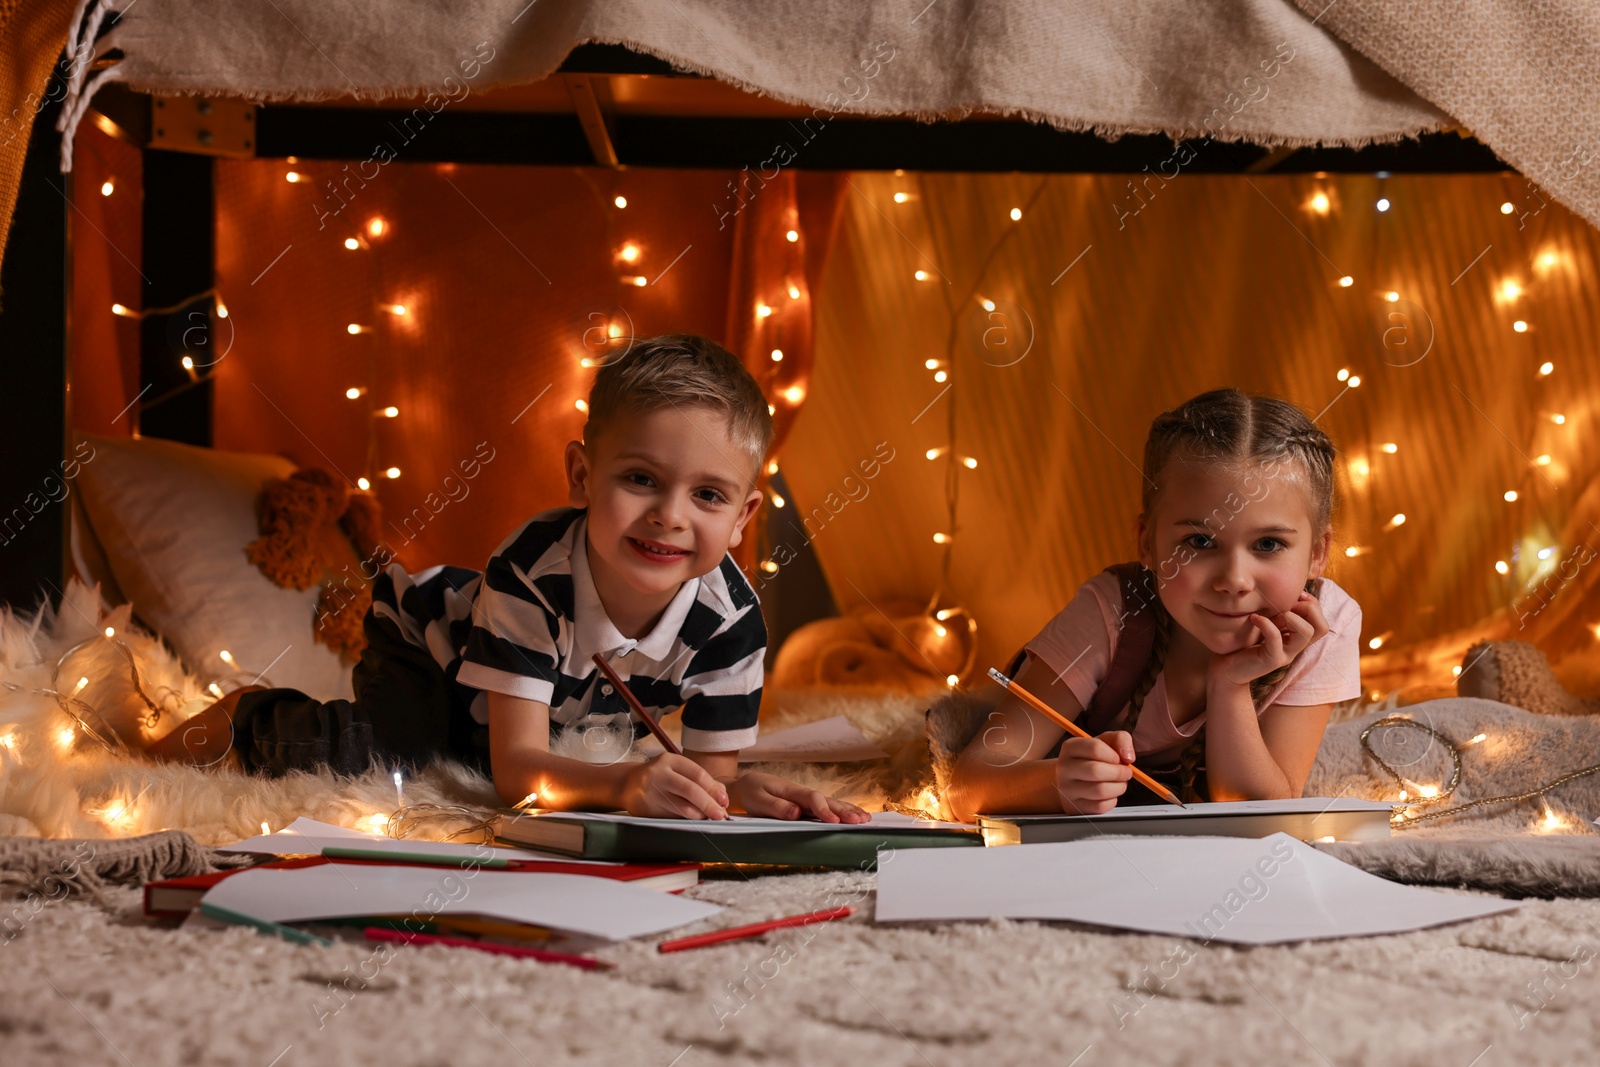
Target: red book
(176,897)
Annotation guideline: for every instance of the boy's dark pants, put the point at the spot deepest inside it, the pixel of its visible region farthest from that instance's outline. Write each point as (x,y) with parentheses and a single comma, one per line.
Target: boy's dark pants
(406,712)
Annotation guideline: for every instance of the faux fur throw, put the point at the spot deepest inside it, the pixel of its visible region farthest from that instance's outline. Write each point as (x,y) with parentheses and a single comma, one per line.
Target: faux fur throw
(54,869)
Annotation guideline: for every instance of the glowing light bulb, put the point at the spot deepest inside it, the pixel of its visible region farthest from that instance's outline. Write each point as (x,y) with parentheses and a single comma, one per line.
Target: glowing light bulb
(1355,380)
(581,405)
(1546,368)
(124,311)
(392,473)
(1346,282)
(376,227)
(620,201)
(363,484)
(1383,203)
(377,822)
(1375,644)
(82,682)
(794,291)
(1506,208)
(794,394)
(292,177)
(1477,738)
(769,567)
(1344,372)
(777,355)
(391,412)
(1398,520)
(941,376)
(933,453)
(944,613)
(792,236)
(188,362)
(355,328)
(265,829)
(1353,551)
(1455,672)
(1016,213)
(772,409)
(762,311)
(395,309)
(1320,203)
(942,539)
(226,657)
(988,305)
(901,198)
(951,680)
(1542,461)
(353,393)
(1391,296)
(921,275)
(1511,496)
(1520,326)
(65,736)
(351,243)
(1551,820)
(614,330)
(216,690)
(1547,552)
(969,463)
(1502,566)
(778,501)
(932,364)
(111,631)
(8,741)
(1559,420)
(1428,791)
(108,187)
(639,281)
(1391,448)
(772,467)
(1510,290)
(629,253)
(1547,260)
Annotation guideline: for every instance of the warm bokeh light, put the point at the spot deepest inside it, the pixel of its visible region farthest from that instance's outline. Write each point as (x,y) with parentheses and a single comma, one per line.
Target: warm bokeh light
(392,473)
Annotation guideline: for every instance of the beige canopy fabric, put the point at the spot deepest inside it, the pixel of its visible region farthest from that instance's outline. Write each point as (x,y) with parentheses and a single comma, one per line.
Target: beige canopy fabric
(1253,70)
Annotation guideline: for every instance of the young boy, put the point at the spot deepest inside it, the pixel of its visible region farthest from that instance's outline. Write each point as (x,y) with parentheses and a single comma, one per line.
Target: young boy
(636,569)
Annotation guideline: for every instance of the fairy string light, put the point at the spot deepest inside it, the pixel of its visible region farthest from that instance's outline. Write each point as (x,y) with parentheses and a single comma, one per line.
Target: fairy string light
(1404,820)
(955,463)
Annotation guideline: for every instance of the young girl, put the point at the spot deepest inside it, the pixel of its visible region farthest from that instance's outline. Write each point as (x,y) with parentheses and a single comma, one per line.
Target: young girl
(1217,657)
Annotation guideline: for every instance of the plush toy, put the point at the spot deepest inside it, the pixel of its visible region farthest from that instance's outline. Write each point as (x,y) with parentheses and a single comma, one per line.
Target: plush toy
(1515,672)
(900,647)
(314,529)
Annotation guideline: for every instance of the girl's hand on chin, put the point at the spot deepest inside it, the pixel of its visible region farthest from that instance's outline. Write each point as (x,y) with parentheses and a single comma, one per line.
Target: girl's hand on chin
(1277,641)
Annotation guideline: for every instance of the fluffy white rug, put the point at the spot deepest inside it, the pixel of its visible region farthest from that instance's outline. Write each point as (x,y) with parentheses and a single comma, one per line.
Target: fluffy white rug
(85,984)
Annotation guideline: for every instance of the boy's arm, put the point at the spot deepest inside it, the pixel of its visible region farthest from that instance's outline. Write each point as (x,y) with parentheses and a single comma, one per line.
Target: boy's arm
(759,793)
(519,753)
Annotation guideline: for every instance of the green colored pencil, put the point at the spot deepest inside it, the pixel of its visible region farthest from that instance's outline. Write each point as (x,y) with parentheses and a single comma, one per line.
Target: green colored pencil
(265,926)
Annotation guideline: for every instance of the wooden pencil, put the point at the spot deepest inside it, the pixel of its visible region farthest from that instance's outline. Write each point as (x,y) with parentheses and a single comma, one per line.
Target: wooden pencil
(1073,728)
(638,708)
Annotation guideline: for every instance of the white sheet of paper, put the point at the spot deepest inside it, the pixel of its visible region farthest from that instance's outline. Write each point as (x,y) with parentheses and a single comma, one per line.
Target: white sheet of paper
(309,837)
(598,907)
(1208,888)
(834,740)
(748,824)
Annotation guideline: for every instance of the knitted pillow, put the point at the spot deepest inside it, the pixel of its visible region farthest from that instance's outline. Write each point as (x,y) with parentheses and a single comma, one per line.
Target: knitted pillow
(1515,672)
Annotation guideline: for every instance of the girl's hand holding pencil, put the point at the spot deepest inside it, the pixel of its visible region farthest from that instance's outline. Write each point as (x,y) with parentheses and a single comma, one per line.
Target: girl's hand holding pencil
(1092,772)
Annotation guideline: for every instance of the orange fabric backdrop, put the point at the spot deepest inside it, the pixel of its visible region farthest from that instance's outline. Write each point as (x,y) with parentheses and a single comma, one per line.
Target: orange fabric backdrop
(1185,286)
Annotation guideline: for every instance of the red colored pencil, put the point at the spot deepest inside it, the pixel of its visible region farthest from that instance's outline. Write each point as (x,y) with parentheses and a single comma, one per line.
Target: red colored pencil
(734,933)
(378,933)
(638,708)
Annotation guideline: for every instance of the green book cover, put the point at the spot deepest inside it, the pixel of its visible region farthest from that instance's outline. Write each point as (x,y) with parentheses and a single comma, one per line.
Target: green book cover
(680,841)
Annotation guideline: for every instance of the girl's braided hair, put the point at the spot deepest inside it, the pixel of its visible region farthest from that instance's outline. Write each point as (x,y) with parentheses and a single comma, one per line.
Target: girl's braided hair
(1226,425)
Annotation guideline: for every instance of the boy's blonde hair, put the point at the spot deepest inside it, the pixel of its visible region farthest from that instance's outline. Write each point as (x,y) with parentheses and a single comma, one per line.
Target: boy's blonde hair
(682,370)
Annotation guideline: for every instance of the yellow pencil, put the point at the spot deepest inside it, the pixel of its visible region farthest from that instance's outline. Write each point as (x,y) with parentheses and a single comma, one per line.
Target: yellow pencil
(1073,728)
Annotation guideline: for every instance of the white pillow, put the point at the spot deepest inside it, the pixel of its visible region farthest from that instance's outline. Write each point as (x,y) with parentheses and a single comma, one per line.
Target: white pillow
(174,521)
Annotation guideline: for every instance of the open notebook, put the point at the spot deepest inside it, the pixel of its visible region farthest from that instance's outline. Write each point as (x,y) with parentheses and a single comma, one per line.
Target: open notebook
(1308,818)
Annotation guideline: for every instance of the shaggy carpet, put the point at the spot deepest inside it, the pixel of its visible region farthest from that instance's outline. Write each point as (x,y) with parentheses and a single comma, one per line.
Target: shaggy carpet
(85,979)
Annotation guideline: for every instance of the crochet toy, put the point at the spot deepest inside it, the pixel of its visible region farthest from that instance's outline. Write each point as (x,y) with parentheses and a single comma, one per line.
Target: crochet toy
(1515,672)
(314,529)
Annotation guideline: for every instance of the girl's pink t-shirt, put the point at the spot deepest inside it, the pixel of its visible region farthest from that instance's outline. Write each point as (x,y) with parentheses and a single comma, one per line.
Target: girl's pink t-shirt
(1081,640)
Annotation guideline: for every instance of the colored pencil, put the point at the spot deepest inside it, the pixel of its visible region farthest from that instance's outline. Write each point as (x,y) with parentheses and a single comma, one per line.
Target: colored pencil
(735,933)
(340,852)
(378,933)
(1073,728)
(638,708)
(265,926)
